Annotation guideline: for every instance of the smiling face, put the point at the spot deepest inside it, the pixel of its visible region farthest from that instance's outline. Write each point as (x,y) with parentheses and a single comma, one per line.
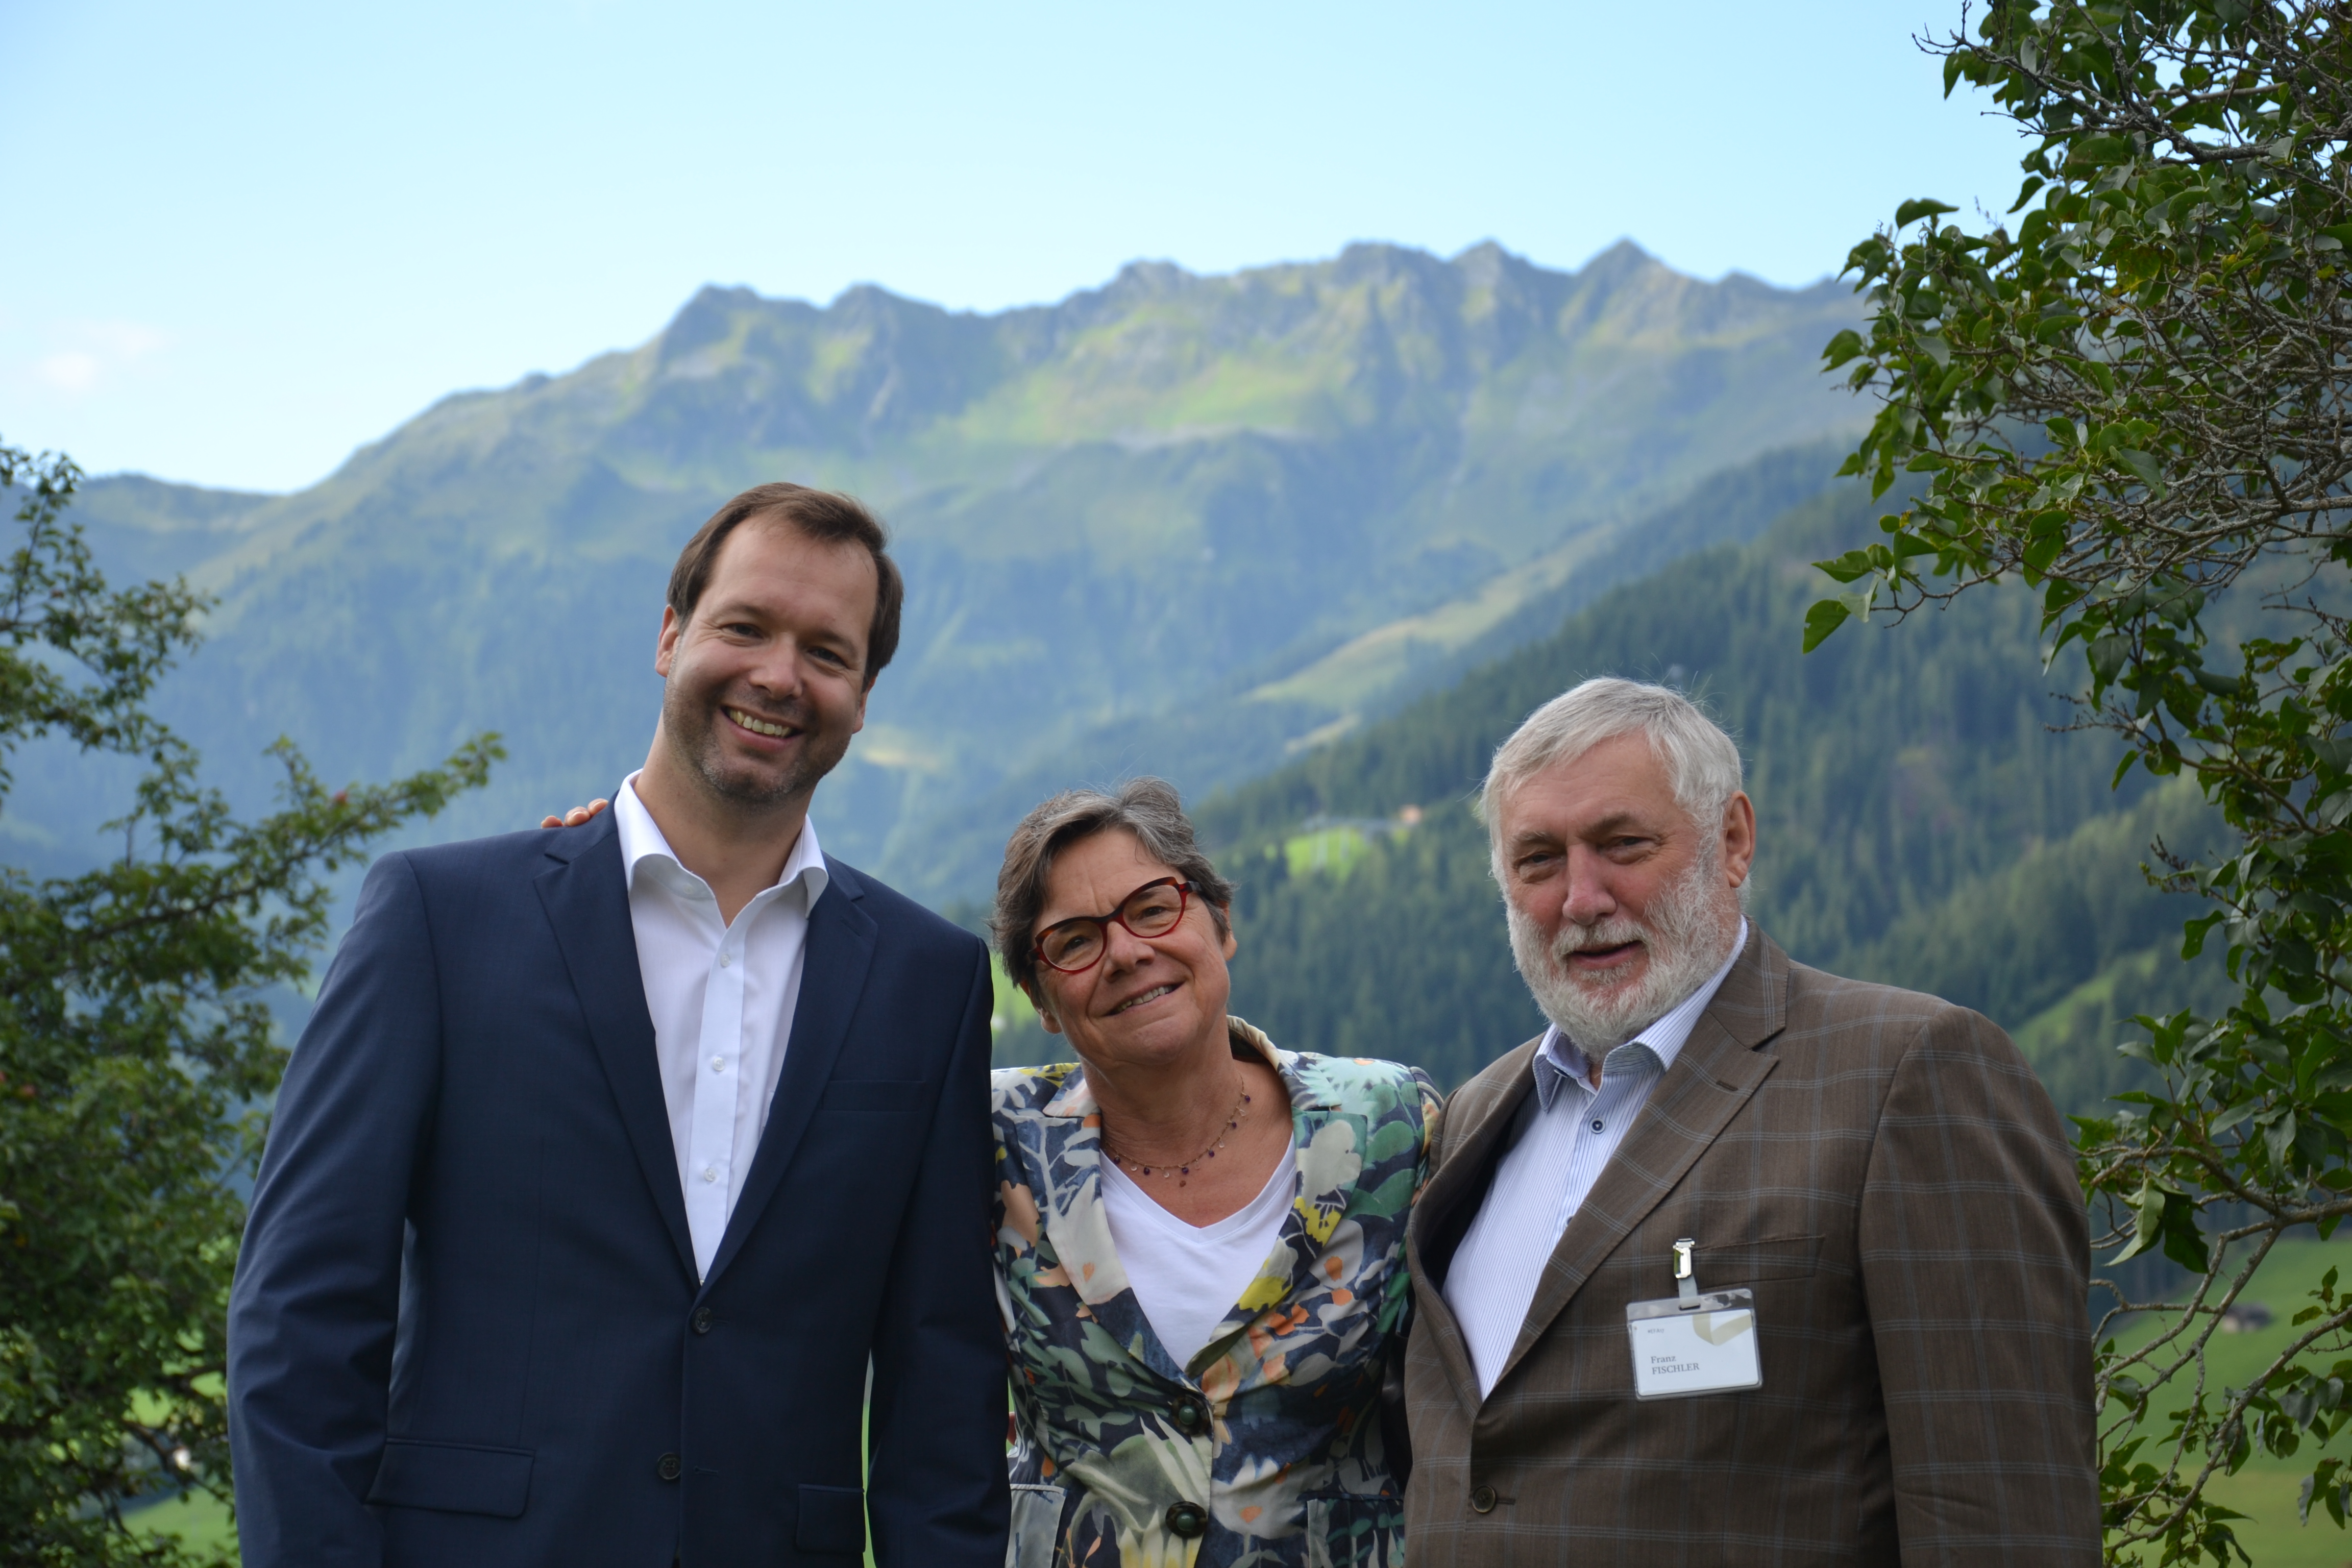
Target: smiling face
(766,680)
(1620,905)
(1146,1003)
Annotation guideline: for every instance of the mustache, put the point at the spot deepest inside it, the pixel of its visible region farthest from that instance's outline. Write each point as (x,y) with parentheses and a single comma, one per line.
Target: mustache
(1615,931)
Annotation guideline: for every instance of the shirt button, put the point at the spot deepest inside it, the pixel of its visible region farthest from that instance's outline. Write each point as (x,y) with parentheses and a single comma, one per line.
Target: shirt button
(1188,1519)
(1596,1124)
(724,961)
(719,1064)
(1482,1500)
(709,1174)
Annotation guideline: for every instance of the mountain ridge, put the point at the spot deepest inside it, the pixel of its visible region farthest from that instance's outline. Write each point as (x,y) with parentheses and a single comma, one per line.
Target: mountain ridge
(1109,508)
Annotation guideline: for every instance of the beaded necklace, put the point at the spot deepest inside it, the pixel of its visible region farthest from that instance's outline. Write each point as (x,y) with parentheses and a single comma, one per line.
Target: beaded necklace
(1181,1173)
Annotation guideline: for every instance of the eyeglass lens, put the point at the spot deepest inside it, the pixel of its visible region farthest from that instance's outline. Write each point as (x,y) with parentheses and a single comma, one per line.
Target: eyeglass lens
(1149,912)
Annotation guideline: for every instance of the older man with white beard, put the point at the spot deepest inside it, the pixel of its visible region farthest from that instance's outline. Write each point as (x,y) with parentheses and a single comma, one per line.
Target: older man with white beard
(1738,1261)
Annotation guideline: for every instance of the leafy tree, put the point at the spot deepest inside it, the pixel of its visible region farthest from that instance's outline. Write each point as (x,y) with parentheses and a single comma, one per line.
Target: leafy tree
(2133,397)
(136,1046)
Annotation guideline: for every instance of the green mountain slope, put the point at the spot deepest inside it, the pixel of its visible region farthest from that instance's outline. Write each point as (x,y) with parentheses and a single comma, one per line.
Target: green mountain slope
(1919,824)
(1165,500)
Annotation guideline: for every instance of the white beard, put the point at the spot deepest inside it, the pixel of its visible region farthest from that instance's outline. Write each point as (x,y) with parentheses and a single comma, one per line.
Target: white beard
(1687,938)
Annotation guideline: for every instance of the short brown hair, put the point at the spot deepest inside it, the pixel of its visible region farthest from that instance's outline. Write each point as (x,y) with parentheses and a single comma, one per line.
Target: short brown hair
(1148,807)
(825,516)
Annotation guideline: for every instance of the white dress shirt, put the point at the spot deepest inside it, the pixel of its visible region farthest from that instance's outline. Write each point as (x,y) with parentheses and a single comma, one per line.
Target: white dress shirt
(722,998)
(1563,1136)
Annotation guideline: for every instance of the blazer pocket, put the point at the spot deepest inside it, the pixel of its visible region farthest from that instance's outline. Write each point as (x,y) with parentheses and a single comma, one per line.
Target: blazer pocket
(868,1096)
(454,1478)
(1747,1262)
(833,1519)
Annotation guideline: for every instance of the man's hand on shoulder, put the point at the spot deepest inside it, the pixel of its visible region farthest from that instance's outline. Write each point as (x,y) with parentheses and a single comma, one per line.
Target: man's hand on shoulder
(577,815)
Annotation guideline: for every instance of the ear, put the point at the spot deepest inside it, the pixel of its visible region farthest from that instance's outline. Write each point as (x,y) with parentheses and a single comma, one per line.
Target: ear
(1738,839)
(1232,943)
(666,649)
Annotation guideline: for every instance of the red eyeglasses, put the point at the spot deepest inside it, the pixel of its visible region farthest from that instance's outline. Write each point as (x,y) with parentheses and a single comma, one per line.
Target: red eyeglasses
(1075,945)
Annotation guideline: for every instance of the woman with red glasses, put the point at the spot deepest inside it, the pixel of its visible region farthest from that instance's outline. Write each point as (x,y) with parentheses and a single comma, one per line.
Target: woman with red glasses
(1199,1235)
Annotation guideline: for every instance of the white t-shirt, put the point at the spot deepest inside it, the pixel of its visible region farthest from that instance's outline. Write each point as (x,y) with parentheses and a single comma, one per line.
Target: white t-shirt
(1188,1279)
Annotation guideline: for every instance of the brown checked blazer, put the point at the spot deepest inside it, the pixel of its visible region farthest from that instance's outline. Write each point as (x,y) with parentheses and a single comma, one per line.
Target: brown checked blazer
(1882,1170)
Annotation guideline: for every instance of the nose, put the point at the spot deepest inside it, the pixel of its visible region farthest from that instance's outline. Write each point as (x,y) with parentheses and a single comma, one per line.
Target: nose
(778,669)
(1122,949)
(1588,897)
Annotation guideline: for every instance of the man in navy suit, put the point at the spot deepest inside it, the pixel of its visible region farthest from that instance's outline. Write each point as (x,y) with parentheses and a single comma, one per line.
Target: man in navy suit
(612,1157)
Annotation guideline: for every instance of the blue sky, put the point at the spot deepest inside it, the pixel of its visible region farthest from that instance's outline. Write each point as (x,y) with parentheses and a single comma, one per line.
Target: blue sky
(244,239)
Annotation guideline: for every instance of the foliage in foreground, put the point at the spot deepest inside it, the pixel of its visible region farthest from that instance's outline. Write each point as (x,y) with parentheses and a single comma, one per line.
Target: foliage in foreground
(2133,399)
(135,1045)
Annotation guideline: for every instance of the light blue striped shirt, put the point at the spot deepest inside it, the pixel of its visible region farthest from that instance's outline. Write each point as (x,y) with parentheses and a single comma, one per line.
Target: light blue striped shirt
(1562,1138)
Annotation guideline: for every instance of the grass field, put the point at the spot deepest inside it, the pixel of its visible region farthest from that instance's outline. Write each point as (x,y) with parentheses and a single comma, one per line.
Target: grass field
(2265,1489)
(201,1519)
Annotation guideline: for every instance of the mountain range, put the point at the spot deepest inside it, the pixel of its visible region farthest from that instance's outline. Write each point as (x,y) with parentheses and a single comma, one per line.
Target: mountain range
(1198,525)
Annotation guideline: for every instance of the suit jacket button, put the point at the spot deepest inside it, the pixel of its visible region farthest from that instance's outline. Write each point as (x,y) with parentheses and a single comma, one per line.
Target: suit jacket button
(670,1466)
(1187,1520)
(702,1320)
(1482,1500)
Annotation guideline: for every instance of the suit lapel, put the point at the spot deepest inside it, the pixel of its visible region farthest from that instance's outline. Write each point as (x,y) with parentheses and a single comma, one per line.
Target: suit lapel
(1716,1072)
(840,950)
(1467,1155)
(586,895)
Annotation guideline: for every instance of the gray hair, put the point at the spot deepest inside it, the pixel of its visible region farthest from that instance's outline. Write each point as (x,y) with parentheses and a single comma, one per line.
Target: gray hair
(1149,809)
(1701,760)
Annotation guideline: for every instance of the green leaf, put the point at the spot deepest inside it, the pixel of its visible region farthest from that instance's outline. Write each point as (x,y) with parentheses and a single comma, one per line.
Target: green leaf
(2094,152)
(1846,345)
(1910,212)
(2144,464)
(2278,1136)
(1847,567)
(1825,616)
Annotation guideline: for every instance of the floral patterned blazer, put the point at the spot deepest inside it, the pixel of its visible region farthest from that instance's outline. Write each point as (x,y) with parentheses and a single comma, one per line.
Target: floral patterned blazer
(1265,1449)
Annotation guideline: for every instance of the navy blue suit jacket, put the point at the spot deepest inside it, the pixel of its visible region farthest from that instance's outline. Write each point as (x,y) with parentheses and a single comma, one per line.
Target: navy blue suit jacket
(466,1328)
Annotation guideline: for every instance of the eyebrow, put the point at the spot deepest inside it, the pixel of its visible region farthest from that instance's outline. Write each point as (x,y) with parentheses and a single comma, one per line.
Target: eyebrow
(1611,824)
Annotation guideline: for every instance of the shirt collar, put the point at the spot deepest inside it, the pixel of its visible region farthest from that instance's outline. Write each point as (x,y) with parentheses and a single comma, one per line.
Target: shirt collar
(1558,1062)
(643,852)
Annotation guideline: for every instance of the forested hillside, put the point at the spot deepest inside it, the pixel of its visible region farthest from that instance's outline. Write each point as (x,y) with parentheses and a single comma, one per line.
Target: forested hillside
(1920,822)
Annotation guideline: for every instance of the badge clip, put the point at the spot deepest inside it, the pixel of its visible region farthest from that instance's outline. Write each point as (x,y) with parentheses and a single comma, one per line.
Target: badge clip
(1685,1275)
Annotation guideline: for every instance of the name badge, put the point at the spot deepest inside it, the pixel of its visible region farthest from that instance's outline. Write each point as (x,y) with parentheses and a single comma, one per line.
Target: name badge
(1708,1348)
(1691,1343)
